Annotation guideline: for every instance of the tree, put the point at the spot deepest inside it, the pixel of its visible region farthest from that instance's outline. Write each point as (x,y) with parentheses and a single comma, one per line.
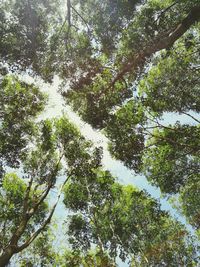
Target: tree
(171,84)
(23,209)
(20,103)
(127,64)
(25,27)
(93,258)
(119,74)
(40,252)
(38,151)
(124,221)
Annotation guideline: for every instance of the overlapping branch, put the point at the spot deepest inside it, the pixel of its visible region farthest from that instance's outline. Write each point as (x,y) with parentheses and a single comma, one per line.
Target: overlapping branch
(165,41)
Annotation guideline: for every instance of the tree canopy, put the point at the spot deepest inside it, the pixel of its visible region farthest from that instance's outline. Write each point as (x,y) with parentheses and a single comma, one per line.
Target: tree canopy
(125,68)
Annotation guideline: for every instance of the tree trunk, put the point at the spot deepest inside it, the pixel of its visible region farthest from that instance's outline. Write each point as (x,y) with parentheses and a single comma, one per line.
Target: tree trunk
(5,257)
(11,249)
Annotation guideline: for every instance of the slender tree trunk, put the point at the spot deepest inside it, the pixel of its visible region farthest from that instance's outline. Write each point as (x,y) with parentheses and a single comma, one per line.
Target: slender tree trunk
(11,249)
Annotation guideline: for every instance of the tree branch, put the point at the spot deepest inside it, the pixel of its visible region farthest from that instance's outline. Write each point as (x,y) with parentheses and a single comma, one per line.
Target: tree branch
(81,18)
(162,42)
(25,202)
(46,192)
(189,115)
(69,12)
(68,17)
(165,10)
(46,222)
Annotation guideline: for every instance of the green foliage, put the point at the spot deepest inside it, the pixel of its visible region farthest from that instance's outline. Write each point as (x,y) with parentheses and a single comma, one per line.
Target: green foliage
(95,102)
(130,222)
(113,15)
(91,259)
(24,210)
(97,93)
(11,205)
(20,104)
(120,219)
(40,253)
(168,248)
(126,135)
(176,149)
(25,29)
(73,144)
(172,85)
(189,200)
(108,54)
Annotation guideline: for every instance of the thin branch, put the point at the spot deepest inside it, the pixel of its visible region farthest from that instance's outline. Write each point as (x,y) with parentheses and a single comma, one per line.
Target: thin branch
(58,35)
(189,115)
(166,9)
(169,140)
(159,125)
(46,222)
(93,219)
(25,202)
(81,18)
(46,192)
(68,18)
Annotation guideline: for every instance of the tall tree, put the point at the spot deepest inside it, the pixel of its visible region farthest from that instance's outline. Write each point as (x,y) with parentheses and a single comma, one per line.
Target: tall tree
(137,86)
(127,64)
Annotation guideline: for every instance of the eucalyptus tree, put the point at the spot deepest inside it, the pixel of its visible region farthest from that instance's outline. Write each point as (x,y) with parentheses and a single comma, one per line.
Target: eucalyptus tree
(123,221)
(26,27)
(127,64)
(154,26)
(31,155)
(151,69)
